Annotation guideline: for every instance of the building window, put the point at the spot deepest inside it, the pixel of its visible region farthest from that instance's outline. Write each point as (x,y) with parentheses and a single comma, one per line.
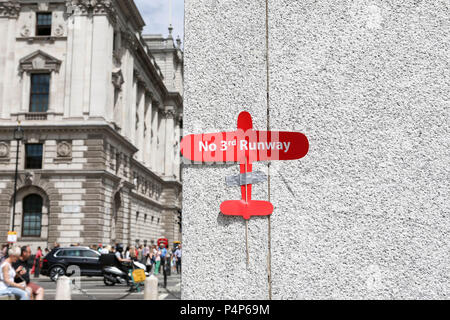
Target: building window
(33,156)
(43,24)
(32,216)
(117,162)
(40,90)
(115,41)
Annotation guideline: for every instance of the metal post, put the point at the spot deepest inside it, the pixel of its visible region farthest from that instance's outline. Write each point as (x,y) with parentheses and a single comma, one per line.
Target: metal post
(15,185)
(18,136)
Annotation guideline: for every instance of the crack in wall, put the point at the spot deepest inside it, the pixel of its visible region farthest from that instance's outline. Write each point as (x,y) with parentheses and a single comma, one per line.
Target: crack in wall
(269,254)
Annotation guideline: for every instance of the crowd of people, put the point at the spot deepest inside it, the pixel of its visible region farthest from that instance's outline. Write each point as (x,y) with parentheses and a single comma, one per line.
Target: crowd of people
(155,258)
(15,265)
(15,273)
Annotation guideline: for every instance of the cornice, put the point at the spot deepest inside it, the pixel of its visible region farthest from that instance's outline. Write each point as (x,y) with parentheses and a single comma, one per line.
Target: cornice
(44,173)
(131,13)
(142,167)
(95,7)
(129,40)
(45,126)
(9,9)
(146,199)
(174,97)
(169,112)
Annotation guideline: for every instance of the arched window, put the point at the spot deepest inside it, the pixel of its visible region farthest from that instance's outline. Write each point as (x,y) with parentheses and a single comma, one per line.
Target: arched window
(32,216)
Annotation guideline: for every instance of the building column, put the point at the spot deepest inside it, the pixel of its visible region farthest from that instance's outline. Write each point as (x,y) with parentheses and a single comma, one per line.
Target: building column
(77,74)
(160,156)
(53,102)
(154,135)
(148,129)
(8,23)
(100,99)
(169,115)
(161,135)
(140,130)
(177,141)
(132,111)
(26,87)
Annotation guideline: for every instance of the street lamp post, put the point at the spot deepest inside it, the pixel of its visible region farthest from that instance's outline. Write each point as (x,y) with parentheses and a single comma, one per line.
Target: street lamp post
(18,136)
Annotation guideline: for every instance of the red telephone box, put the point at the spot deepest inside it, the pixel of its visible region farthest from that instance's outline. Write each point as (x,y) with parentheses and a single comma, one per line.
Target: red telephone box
(164,241)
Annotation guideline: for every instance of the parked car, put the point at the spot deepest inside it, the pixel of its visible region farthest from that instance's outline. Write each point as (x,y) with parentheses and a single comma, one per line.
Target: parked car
(57,261)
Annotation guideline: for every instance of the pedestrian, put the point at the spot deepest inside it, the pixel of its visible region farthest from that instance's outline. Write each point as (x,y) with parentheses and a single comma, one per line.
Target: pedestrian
(4,252)
(132,253)
(167,265)
(163,254)
(154,253)
(46,251)
(7,275)
(122,260)
(22,269)
(127,252)
(148,259)
(140,254)
(177,255)
(37,263)
(119,254)
(105,250)
(145,251)
(157,260)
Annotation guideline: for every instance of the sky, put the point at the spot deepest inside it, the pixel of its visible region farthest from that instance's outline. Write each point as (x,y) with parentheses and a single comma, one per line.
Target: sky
(156,16)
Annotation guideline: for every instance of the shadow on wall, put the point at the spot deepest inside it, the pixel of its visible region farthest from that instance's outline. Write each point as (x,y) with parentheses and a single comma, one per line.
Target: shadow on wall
(225,221)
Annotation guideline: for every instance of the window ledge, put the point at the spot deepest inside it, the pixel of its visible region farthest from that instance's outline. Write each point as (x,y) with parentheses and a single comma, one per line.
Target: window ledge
(31,238)
(50,39)
(62,160)
(35,115)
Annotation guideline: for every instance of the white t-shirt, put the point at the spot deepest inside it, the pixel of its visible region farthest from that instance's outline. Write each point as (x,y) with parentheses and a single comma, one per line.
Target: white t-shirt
(158,255)
(12,275)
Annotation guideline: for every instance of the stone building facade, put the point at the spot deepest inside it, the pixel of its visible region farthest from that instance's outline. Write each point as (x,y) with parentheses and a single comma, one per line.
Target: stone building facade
(99,162)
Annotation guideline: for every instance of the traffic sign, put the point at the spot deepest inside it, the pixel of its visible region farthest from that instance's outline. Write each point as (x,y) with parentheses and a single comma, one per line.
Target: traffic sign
(12,236)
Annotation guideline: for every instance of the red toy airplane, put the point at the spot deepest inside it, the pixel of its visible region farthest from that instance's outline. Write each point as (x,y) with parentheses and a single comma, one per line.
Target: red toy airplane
(245,146)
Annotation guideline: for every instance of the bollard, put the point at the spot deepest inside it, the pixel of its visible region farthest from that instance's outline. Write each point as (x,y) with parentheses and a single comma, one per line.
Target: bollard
(151,288)
(63,289)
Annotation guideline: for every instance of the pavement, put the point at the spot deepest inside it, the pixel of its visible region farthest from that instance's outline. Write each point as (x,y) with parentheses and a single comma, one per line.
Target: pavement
(93,288)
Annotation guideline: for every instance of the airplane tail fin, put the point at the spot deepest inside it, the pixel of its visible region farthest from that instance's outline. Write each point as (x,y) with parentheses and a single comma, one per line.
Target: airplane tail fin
(246,209)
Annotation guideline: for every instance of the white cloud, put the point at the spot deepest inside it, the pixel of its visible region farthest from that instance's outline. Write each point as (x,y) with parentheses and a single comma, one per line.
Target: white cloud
(156,16)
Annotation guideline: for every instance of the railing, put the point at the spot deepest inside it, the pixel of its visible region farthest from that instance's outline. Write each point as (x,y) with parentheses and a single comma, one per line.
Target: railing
(36,116)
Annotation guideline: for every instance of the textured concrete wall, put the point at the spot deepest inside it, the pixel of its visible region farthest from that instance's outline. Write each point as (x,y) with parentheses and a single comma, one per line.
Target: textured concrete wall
(366,213)
(224,74)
